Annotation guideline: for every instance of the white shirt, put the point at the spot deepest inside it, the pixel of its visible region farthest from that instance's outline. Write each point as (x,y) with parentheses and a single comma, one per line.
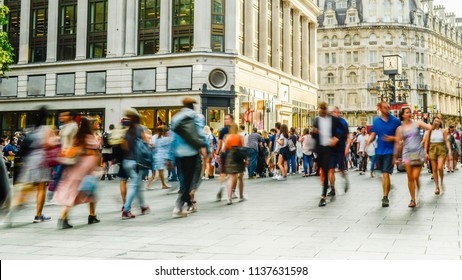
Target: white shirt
(362,139)
(325,130)
(246,137)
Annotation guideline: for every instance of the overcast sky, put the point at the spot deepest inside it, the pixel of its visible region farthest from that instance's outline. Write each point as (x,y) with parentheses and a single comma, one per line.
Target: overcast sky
(452,6)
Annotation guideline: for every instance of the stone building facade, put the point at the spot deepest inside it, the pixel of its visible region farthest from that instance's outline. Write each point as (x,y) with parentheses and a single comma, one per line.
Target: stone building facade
(255,59)
(353,36)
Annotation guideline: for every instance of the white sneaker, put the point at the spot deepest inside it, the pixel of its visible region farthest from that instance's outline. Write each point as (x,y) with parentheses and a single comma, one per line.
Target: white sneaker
(234,195)
(229,202)
(282,178)
(179,213)
(220,193)
(242,199)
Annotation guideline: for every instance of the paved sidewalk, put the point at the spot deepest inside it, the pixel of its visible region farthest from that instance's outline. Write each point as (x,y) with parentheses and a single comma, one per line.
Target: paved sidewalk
(280,220)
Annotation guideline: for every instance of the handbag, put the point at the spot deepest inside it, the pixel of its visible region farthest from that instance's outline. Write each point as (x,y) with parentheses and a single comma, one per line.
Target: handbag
(415,159)
(52,156)
(71,155)
(186,129)
(291,145)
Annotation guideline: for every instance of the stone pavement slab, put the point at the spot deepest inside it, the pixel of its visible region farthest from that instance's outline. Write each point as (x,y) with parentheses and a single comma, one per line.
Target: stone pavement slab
(279,221)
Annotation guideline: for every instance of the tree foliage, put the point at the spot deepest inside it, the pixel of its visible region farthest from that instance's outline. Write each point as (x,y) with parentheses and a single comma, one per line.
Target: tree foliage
(6,50)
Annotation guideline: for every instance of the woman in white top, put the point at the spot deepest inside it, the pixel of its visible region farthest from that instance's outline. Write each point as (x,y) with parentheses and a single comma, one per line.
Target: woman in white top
(284,152)
(306,141)
(435,143)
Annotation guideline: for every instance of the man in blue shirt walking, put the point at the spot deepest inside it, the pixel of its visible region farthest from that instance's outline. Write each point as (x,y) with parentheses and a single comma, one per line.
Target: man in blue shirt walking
(384,127)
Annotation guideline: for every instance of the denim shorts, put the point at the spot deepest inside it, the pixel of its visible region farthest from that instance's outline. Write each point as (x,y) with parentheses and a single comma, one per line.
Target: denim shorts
(337,160)
(384,163)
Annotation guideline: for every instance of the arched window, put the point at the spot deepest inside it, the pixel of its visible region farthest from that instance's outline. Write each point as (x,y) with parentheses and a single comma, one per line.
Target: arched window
(373,39)
(352,78)
(421,80)
(347,40)
(334,41)
(325,41)
(388,39)
(403,40)
(356,40)
(330,78)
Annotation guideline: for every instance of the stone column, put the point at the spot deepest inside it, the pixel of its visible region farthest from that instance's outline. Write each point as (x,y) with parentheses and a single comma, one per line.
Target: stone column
(116,28)
(82,23)
(263,32)
(52,36)
(165,31)
(202,26)
(305,49)
(296,44)
(249,29)
(24,32)
(286,37)
(130,27)
(313,47)
(232,22)
(276,35)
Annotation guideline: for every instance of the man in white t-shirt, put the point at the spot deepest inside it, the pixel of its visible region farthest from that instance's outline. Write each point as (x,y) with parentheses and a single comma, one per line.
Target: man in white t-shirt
(362,155)
(244,134)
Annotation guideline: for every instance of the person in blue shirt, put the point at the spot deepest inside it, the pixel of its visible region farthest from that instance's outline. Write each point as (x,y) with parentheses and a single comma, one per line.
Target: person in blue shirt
(384,127)
(187,157)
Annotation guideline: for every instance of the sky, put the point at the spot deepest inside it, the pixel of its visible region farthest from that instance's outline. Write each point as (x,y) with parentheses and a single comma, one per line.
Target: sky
(452,6)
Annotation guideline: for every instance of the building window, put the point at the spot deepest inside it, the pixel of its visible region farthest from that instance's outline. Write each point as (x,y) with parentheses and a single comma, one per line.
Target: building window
(372,56)
(348,57)
(144,79)
(355,57)
(325,41)
(372,78)
(352,78)
(13,25)
(67,35)
(179,78)
(38,31)
(148,26)
(241,26)
(388,39)
(352,19)
(183,25)
(373,39)
(256,20)
(347,40)
(356,40)
(270,31)
(422,42)
(65,84)
(330,78)
(330,99)
(9,87)
(218,25)
(97,29)
(403,40)
(334,41)
(421,80)
(36,85)
(96,82)
(353,99)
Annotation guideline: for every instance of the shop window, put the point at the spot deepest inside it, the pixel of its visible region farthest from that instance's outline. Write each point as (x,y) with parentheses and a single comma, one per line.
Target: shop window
(38,31)
(179,78)
(148,26)
(97,28)
(67,35)
(36,85)
(65,83)
(96,82)
(144,79)
(12,27)
(9,87)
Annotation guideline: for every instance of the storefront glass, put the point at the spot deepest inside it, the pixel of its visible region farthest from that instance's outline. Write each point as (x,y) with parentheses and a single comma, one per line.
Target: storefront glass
(152,117)
(216,118)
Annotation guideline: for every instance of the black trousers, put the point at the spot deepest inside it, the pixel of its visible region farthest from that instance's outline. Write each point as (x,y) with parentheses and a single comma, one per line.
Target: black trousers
(188,176)
(324,158)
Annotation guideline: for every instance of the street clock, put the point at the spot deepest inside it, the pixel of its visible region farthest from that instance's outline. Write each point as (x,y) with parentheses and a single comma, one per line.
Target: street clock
(392,64)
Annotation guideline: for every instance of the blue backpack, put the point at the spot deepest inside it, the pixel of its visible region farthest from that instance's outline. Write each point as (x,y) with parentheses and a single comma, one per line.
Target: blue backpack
(143,153)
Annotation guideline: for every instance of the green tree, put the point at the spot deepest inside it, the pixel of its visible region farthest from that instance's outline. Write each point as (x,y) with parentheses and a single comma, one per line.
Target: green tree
(6,50)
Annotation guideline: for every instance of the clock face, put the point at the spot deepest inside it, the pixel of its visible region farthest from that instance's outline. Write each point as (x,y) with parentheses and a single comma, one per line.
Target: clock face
(390,63)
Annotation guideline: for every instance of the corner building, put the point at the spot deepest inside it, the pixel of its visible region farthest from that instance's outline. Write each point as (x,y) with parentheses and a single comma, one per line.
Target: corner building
(353,36)
(255,59)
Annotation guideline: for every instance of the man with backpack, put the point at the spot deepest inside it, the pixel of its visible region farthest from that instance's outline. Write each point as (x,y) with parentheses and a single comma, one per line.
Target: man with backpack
(107,153)
(189,142)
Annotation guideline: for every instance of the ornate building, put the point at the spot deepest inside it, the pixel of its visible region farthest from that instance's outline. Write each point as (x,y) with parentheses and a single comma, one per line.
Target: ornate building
(255,59)
(353,35)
